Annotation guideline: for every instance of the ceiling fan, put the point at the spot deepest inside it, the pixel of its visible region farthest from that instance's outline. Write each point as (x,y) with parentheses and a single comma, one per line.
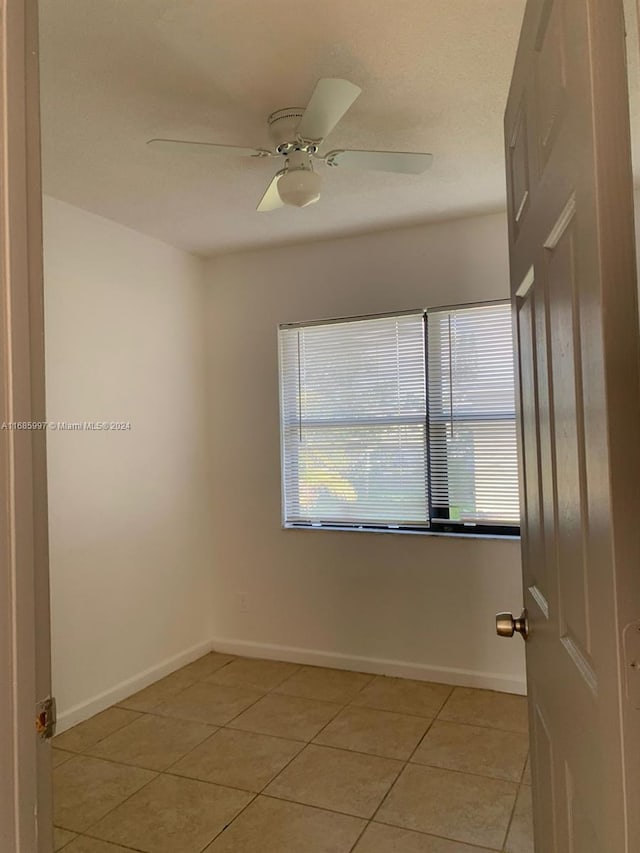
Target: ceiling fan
(297,134)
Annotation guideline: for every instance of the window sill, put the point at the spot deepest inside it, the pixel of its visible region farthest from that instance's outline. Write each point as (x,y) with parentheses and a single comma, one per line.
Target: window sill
(381,530)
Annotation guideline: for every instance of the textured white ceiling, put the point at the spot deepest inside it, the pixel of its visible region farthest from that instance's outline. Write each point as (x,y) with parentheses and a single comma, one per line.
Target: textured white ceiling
(435,75)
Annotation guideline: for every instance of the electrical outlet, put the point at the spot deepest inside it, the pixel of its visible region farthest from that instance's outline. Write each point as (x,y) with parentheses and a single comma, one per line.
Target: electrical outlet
(243,602)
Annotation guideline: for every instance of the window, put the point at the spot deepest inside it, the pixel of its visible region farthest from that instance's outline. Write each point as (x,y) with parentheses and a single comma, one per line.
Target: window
(473,450)
(382,430)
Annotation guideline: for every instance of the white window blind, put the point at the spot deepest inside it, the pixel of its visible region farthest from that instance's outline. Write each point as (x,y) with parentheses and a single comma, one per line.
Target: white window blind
(472,427)
(353,410)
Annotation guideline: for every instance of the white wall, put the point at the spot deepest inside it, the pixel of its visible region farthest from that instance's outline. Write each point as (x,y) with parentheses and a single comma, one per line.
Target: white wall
(131,584)
(410,604)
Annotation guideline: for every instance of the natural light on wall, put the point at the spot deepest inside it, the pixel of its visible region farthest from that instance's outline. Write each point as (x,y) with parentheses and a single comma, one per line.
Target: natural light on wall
(369,442)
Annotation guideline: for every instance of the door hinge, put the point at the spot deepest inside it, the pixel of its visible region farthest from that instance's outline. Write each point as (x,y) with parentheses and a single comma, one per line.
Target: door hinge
(631,638)
(46,718)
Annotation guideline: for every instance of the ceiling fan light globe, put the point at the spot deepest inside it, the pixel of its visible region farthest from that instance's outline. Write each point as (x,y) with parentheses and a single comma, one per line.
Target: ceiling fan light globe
(299,187)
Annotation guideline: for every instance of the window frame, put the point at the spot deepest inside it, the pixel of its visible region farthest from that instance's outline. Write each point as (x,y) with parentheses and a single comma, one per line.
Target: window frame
(438,524)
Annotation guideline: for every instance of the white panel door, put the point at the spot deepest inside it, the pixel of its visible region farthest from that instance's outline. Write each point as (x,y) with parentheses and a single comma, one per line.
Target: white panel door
(573,283)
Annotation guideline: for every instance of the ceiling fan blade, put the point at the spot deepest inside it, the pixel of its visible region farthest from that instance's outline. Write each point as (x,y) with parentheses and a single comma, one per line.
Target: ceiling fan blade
(331,98)
(209,147)
(271,199)
(407,162)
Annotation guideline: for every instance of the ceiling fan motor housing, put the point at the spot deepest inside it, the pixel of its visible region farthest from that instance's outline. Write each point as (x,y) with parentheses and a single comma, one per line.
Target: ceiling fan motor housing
(283,126)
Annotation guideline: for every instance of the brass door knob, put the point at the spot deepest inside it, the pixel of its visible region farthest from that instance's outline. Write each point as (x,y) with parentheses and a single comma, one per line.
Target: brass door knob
(507,625)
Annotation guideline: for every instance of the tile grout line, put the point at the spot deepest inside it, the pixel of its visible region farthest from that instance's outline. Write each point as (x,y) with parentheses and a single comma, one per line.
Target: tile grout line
(179,692)
(315,742)
(349,703)
(157,773)
(100,739)
(347,671)
(253,794)
(409,762)
(355,752)
(342,706)
(483,726)
(303,744)
(235,716)
(215,729)
(395,781)
(298,754)
(86,832)
(511,818)
(94,838)
(439,719)
(476,775)
(366,826)
(196,680)
(379,710)
(107,813)
(449,687)
(308,743)
(515,802)
(171,698)
(117,764)
(167,772)
(282,799)
(406,764)
(273,691)
(254,797)
(472,845)
(261,792)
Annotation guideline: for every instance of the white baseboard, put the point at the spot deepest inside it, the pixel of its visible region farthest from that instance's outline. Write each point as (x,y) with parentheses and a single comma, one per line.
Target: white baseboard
(377,666)
(84,710)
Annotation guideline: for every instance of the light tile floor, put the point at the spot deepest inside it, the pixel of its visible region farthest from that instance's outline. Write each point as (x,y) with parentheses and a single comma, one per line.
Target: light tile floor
(232,755)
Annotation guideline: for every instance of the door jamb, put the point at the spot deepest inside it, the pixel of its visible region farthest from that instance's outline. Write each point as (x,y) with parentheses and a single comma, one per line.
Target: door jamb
(25,769)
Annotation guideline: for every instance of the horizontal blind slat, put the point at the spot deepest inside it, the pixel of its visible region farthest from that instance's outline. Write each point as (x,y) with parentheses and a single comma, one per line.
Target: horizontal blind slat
(472,430)
(353,414)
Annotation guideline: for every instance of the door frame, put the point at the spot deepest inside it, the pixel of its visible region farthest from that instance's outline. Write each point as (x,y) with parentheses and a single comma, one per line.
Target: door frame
(25,668)
(611,318)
